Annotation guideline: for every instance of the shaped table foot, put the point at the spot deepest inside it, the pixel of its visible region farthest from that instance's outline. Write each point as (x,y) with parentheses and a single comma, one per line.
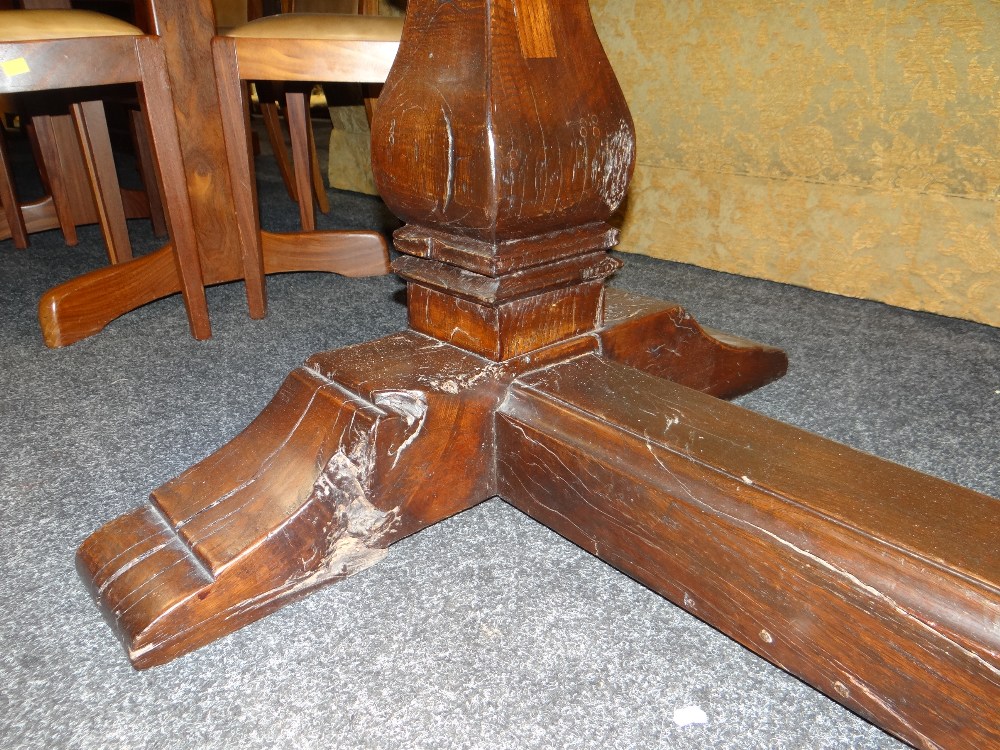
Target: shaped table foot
(660,338)
(338,466)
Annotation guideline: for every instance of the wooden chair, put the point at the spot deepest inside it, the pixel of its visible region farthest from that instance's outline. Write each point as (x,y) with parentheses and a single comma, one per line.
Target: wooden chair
(78,175)
(302,171)
(301,47)
(42,50)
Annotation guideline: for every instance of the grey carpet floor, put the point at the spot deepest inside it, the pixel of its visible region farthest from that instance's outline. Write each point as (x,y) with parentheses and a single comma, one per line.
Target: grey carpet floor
(486,631)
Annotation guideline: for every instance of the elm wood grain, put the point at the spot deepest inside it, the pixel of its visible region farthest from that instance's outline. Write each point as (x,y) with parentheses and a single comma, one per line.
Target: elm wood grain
(127,58)
(504,142)
(860,576)
(875,584)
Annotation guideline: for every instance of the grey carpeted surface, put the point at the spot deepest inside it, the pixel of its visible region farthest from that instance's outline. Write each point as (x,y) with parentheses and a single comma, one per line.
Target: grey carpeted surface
(486,631)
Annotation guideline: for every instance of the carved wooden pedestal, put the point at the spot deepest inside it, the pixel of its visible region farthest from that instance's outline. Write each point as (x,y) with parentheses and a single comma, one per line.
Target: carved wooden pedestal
(504,142)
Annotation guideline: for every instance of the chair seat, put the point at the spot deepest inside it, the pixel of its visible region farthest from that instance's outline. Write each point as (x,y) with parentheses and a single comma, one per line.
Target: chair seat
(321,26)
(37,25)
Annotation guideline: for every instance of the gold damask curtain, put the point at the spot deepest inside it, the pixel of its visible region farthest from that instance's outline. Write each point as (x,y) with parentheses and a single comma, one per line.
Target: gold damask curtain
(851,146)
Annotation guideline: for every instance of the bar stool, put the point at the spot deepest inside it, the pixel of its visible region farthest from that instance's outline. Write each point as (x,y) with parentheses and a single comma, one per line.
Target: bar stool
(59,49)
(307,47)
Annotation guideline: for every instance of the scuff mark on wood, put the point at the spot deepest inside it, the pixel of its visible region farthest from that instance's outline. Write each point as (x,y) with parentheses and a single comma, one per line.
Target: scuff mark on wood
(412,405)
(353,541)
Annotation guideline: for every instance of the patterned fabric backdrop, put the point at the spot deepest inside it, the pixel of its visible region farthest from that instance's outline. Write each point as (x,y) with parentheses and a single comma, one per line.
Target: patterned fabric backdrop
(844,145)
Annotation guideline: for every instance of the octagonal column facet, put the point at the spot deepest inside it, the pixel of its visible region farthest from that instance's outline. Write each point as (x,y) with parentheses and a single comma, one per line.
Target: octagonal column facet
(506,148)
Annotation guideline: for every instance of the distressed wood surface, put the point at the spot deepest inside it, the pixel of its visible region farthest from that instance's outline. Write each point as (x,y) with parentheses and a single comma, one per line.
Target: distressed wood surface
(297,500)
(346,459)
(503,141)
(878,585)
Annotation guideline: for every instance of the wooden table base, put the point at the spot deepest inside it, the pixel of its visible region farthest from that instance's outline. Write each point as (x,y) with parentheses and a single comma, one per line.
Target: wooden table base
(503,141)
(785,541)
(347,459)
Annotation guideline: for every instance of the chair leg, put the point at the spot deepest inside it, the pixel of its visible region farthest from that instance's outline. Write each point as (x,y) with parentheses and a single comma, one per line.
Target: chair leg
(319,187)
(147,171)
(154,91)
(47,155)
(60,147)
(370,92)
(297,109)
(8,197)
(272,124)
(95,144)
(236,129)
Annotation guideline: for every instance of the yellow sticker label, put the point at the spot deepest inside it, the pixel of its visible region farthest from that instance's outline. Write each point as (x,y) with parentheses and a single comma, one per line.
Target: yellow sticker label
(15,67)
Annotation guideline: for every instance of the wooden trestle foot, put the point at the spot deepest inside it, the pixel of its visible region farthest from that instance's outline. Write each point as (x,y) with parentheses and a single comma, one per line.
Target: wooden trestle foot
(348,458)
(335,469)
(660,338)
